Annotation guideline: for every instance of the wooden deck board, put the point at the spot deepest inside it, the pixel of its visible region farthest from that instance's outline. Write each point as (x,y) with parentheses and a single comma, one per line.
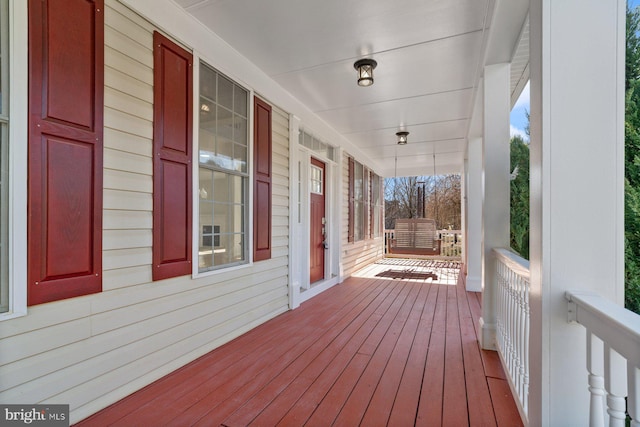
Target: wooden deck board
(321,352)
(370,351)
(504,406)
(406,402)
(429,410)
(382,401)
(357,403)
(481,412)
(454,411)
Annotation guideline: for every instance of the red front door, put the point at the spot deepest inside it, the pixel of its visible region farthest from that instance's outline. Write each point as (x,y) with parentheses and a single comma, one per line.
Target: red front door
(318,220)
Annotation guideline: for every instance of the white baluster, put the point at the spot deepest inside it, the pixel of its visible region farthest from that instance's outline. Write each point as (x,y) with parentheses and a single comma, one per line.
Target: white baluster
(499,309)
(522,336)
(633,398)
(518,332)
(615,378)
(511,324)
(595,363)
(525,396)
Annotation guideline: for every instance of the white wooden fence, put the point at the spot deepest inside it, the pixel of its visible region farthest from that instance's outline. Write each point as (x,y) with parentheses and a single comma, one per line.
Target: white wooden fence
(512,328)
(613,358)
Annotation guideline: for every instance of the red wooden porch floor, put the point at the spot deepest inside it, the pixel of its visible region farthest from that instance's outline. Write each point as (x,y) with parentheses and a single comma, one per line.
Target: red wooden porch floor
(372,351)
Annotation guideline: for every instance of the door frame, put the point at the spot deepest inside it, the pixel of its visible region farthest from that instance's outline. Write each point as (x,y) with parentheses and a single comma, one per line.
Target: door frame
(300,289)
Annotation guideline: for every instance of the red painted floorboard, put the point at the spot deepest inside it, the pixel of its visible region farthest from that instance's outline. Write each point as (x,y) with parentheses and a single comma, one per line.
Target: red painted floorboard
(370,352)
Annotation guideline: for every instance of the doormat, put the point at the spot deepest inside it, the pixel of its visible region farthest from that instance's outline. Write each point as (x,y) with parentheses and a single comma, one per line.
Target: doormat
(408,274)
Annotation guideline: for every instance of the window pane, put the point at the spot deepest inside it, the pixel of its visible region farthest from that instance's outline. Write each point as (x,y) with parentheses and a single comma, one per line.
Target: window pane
(208,83)
(240,130)
(221,187)
(237,252)
(316,180)
(240,100)
(207,140)
(221,215)
(237,189)
(225,92)
(224,153)
(358,184)
(358,225)
(330,152)
(205,250)
(221,252)
(308,140)
(237,219)
(240,157)
(206,185)
(225,123)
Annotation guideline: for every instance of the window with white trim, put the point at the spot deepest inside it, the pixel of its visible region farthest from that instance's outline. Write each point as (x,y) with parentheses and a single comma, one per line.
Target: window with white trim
(358,201)
(223,171)
(365,203)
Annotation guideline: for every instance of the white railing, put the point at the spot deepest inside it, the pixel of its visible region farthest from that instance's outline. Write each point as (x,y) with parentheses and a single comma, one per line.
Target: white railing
(613,358)
(512,323)
(451,243)
(389,235)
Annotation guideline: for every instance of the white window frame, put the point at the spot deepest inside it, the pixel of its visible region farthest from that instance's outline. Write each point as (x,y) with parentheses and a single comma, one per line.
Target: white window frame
(196,273)
(18,134)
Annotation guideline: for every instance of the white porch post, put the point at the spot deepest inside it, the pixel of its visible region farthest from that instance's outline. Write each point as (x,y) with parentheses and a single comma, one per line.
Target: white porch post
(577,169)
(474,216)
(495,203)
(463,213)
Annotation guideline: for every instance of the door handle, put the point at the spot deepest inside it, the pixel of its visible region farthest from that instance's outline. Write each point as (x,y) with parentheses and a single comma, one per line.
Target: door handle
(325,244)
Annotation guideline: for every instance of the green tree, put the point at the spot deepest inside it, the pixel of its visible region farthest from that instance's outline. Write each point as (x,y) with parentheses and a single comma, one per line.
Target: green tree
(520,196)
(632,163)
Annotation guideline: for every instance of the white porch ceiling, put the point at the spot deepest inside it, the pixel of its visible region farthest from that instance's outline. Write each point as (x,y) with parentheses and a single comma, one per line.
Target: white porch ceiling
(430,56)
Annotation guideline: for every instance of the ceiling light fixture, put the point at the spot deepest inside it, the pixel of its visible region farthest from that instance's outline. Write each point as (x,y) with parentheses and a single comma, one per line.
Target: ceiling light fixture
(365,71)
(402,137)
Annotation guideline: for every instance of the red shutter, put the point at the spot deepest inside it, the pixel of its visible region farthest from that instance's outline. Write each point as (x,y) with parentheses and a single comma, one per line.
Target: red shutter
(172,151)
(66,88)
(351,234)
(262,181)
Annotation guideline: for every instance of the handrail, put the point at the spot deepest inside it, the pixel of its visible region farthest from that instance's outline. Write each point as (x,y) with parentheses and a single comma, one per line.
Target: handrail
(613,335)
(602,317)
(512,322)
(515,262)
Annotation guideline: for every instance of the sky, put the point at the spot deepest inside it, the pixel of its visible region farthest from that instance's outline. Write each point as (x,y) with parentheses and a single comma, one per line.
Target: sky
(518,113)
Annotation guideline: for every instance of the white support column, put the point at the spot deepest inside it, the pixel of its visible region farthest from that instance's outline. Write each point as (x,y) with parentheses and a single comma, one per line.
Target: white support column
(577,202)
(474,217)
(463,213)
(495,203)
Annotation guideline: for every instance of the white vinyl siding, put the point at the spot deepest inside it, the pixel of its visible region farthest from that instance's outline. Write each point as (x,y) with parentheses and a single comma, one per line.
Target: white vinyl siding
(94,350)
(360,253)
